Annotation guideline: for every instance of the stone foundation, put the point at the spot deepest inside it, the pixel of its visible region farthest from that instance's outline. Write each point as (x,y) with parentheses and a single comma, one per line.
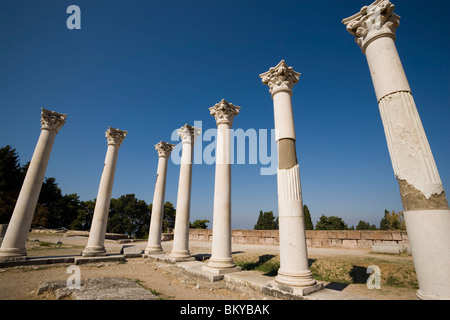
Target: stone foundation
(347,239)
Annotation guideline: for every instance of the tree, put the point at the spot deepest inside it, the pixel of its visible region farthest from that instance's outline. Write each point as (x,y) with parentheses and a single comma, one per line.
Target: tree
(392,221)
(85,213)
(199,224)
(129,215)
(169,216)
(11,179)
(266,221)
(331,223)
(308,222)
(362,225)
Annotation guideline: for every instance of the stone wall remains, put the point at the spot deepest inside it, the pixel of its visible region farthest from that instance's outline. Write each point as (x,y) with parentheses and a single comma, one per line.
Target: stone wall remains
(348,239)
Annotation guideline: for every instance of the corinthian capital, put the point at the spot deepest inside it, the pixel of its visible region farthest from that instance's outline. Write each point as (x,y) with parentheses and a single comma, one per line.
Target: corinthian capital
(115,136)
(51,120)
(188,133)
(373,21)
(224,112)
(164,149)
(280,78)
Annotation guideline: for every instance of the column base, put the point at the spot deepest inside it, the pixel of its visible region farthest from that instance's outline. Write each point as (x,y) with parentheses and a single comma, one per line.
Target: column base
(152,249)
(429,240)
(94,251)
(298,279)
(221,270)
(13,254)
(298,291)
(181,255)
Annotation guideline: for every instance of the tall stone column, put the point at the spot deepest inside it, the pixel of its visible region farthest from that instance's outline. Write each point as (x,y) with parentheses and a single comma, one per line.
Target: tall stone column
(180,249)
(96,241)
(221,260)
(426,210)
(154,238)
(13,245)
(294,274)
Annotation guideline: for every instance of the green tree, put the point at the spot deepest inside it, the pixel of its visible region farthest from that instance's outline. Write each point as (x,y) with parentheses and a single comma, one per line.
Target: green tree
(85,213)
(362,225)
(331,223)
(199,224)
(266,221)
(11,179)
(392,221)
(169,216)
(308,222)
(129,215)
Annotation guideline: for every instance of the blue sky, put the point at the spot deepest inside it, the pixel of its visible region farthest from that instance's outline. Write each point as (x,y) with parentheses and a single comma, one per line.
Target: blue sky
(149,67)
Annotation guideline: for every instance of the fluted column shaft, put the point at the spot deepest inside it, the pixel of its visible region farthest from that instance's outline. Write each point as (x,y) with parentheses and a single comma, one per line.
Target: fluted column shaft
(156,221)
(294,269)
(426,210)
(96,241)
(221,260)
(180,248)
(13,245)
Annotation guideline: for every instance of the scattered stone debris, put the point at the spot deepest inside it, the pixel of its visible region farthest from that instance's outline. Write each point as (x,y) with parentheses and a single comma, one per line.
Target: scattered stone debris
(97,289)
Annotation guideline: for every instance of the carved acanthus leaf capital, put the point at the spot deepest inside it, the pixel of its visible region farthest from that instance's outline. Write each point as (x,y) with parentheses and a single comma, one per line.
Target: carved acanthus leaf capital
(188,133)
(164,149)
(373,21)
(280,78)
(115,136)
(224,112)
(51,120)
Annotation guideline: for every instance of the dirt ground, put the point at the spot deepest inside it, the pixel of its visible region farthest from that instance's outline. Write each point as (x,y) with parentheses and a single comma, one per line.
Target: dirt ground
(165,280)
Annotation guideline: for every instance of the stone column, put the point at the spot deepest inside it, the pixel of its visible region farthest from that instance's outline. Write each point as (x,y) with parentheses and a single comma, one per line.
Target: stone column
(221,260)
(154,238)
(96,242)
(13,245)
(426,210)
(180,249)
(294,274)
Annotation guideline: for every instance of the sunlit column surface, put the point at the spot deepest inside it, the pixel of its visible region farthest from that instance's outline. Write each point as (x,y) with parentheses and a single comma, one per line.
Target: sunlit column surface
(96,241)
(13,245)
(426,210)
(164,150)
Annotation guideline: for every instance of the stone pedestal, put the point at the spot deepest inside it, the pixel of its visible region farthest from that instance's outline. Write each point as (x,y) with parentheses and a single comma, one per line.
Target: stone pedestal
(13,245)
(154,239)
(180,249)
(426,210)
(294,270)
(96,242)
(221,260)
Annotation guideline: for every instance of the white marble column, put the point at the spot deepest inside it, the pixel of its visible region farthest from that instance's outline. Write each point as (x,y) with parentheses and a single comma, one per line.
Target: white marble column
(180,249)
(426,210)
(294,274)
(13,245)
(221,260)
(156,221)
(96,241)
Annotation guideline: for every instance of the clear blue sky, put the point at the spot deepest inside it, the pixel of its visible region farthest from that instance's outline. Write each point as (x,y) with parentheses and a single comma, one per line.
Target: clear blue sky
(149,67)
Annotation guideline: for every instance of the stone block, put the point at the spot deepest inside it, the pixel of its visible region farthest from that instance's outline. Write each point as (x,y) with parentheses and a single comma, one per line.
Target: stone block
(396,235)
(392,248)
(351,244)
(365,244)
(322,234)
(130,251)
(332,234)
(310,234)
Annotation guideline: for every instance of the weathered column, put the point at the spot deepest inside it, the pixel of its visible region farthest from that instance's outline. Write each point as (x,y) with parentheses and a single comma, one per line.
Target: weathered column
(294,274)
(221,260)
(154,238)
(180,249)
(96,241)
(426,210)
(13,245)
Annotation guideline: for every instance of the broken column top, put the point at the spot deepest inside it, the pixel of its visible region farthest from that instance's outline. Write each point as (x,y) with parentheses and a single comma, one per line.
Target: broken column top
(51,120)
(224,112)
(115,136)
(164,149)
(280,78)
